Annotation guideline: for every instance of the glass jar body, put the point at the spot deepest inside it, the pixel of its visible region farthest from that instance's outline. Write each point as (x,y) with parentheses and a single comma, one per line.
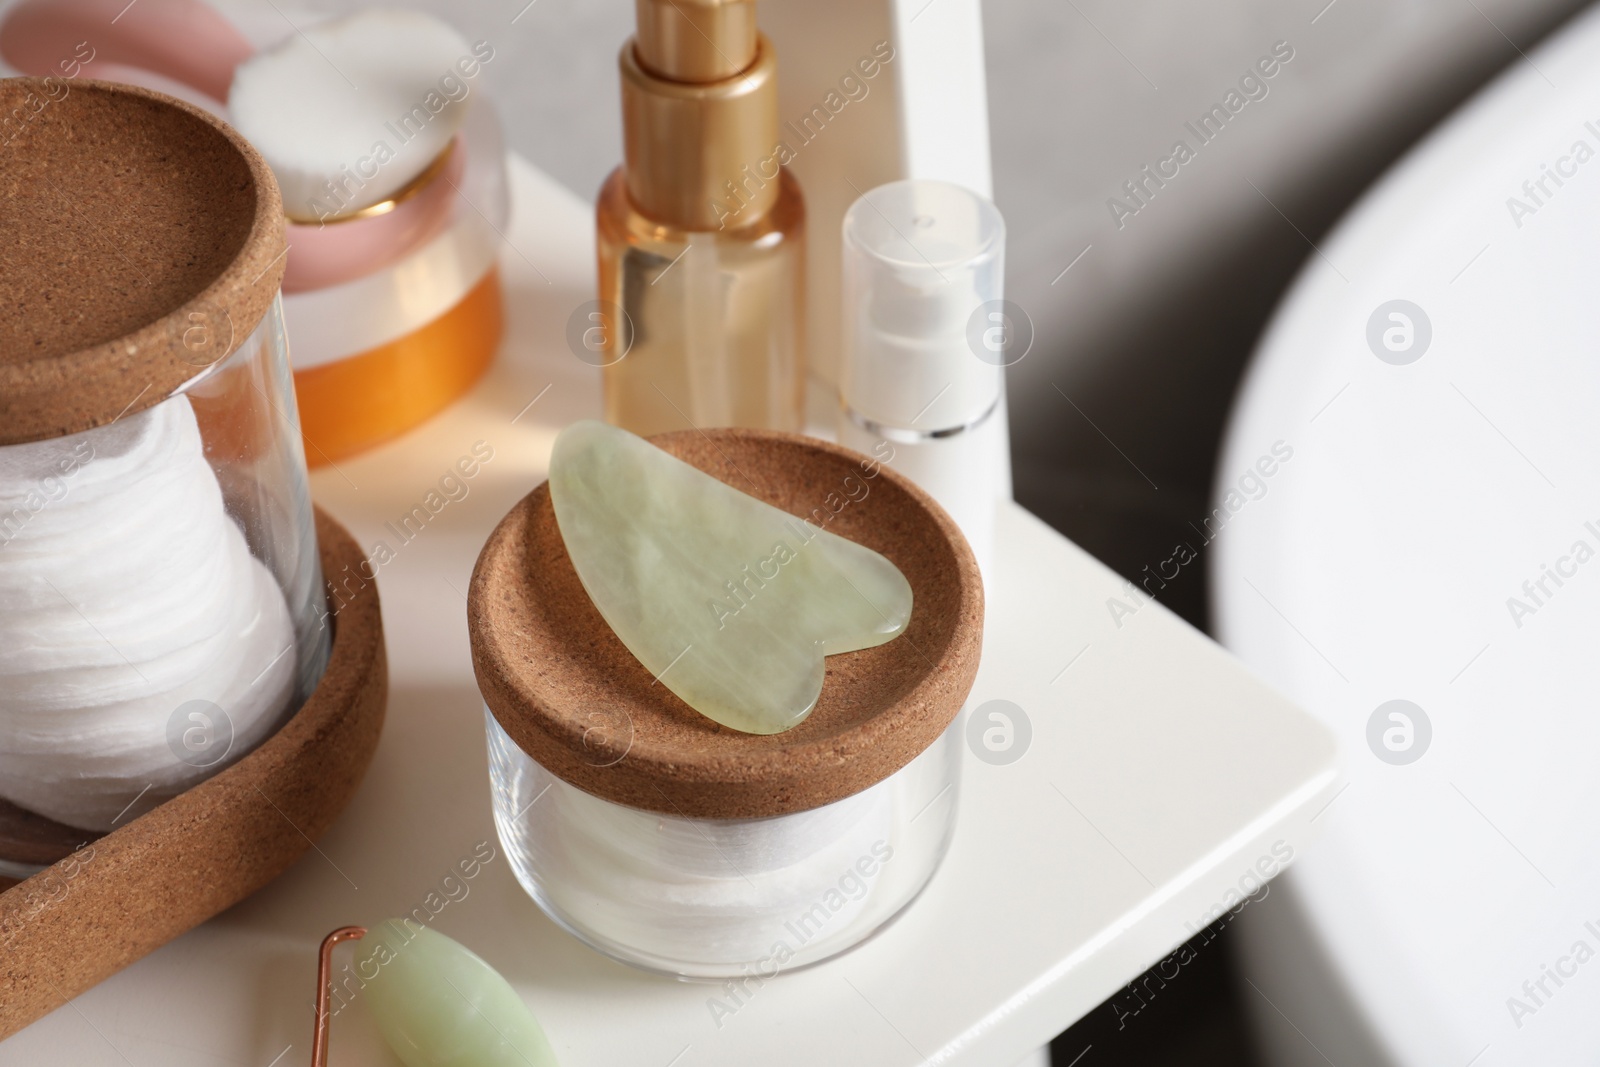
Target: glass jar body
(711,330)
(163,606)
(714,898)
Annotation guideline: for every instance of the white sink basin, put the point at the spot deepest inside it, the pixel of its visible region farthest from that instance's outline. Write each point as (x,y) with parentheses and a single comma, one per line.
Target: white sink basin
(1442,461)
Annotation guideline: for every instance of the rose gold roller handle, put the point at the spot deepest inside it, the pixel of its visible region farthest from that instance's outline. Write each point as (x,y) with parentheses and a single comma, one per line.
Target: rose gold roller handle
(319,1043)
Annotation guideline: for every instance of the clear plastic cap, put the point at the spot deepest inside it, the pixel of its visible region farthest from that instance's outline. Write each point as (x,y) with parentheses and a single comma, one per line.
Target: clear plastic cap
(921,258)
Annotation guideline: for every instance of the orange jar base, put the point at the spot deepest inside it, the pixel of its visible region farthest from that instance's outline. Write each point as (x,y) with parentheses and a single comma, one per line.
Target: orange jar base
(353,404)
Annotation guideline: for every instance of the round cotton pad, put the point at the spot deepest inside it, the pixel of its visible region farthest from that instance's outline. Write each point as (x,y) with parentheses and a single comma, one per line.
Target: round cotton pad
(126,596)
(350,111)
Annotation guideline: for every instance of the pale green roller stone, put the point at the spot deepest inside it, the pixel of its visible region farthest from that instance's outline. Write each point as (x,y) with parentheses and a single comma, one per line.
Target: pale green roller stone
(438,1005)
(728,601)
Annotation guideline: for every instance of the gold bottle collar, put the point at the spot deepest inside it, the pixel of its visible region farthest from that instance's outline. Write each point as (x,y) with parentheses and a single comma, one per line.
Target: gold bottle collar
(701,154)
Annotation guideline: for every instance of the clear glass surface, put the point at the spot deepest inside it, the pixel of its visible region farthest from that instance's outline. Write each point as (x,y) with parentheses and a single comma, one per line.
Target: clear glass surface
(714,898)
(161,601)
(713,333)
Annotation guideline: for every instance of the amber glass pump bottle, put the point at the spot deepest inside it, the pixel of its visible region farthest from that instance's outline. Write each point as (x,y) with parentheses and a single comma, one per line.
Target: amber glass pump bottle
(700,231)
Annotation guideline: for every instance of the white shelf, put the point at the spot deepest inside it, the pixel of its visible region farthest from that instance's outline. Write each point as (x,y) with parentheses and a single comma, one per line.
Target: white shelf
(1159,774)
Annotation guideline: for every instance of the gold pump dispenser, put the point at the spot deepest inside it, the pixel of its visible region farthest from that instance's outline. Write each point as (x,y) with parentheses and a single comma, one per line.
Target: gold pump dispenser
(700,230)
(699,103)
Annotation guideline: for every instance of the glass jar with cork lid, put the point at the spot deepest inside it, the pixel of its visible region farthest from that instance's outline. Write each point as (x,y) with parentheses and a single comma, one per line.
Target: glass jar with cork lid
(162,602)
(656,831)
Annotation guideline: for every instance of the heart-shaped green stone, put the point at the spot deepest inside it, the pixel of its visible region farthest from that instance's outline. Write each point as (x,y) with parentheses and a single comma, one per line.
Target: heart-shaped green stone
(728,601)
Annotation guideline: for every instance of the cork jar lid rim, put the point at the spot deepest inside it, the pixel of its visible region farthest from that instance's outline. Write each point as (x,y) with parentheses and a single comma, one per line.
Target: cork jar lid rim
(569,694)
(145,243)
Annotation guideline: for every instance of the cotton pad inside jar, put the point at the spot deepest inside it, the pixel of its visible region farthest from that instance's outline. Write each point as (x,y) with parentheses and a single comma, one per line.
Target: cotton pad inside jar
(162,610)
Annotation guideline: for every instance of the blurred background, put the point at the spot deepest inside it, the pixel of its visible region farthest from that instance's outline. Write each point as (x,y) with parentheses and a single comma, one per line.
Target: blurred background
(1143,322)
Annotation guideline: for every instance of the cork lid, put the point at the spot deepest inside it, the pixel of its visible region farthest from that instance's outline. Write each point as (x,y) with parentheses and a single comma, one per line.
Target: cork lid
(574,698)
(144,241)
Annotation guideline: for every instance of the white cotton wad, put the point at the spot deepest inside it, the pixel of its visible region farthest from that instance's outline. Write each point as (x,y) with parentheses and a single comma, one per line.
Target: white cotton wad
(351,110)
(703,889)
(126,591)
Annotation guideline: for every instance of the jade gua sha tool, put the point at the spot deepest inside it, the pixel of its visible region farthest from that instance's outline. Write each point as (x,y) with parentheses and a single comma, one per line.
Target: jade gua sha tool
(728,601)
(436,1002)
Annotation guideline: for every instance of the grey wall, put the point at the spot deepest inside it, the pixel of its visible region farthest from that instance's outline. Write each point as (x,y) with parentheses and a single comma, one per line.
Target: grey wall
(1148,333)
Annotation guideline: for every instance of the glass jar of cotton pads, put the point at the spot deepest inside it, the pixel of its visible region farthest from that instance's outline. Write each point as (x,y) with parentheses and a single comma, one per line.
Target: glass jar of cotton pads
(162,609)
(674,843)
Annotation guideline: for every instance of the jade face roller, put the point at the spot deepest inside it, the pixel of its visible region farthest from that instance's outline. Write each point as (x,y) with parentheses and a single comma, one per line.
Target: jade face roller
(436,1002)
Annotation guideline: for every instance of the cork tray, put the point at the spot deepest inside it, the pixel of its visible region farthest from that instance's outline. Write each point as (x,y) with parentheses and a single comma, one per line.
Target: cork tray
(568,691)
(124,895)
